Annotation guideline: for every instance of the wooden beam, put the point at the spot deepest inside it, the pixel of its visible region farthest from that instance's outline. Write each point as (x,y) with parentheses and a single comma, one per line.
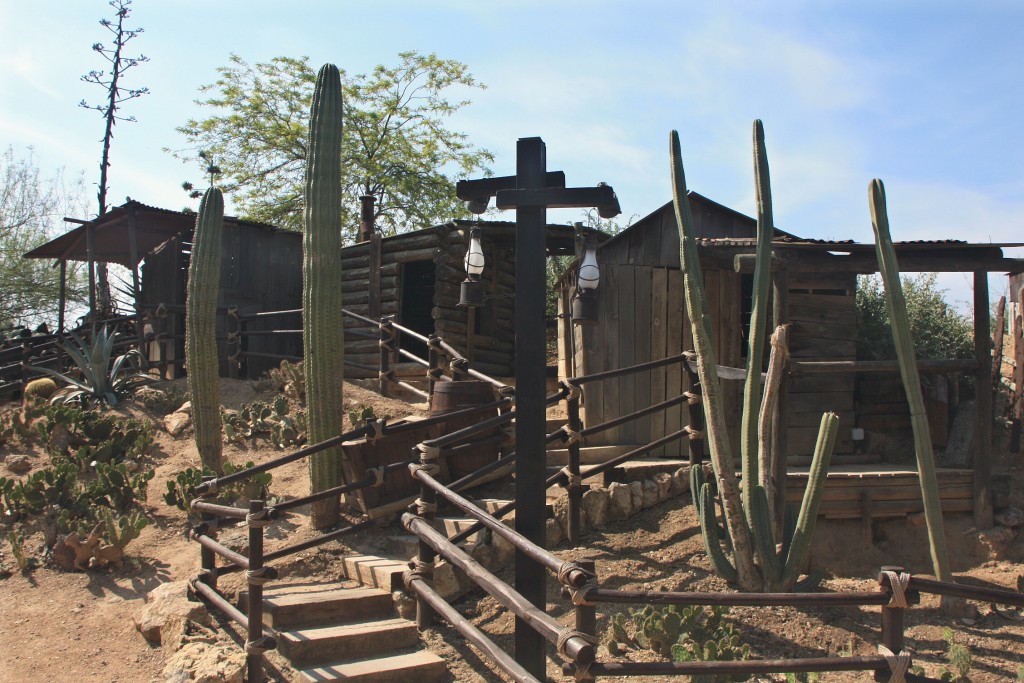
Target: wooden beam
(815,261)
(983,405)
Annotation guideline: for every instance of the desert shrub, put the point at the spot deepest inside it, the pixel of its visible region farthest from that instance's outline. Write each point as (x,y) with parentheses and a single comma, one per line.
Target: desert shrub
(272,420)
(938,329)
(181,489)
(89,436)
(684,634)
(162,401)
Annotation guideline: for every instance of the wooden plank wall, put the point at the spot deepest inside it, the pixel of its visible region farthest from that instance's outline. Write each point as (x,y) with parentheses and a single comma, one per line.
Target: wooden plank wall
(261,270)
(644,321)
(488,344)
(821,309)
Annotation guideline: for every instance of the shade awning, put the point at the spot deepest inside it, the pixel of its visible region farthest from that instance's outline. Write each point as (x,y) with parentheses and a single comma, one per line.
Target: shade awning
(153,227)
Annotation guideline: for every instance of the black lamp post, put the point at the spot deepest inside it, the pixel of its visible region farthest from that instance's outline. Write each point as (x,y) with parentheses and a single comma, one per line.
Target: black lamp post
(531,192)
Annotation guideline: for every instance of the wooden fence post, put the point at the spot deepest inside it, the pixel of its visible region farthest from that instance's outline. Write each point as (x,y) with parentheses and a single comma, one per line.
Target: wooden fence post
(387,336)
(892,618)
(207,558)
(254,642)
(574,485)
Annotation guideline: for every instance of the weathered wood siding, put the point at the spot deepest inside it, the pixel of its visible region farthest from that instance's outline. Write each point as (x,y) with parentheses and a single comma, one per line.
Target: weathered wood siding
(822,312)
(643,318)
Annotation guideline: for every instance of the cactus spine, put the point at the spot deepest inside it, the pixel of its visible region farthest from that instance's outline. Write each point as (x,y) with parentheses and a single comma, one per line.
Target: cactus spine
(322,323)
(900,323)
(201,329)
(748,529)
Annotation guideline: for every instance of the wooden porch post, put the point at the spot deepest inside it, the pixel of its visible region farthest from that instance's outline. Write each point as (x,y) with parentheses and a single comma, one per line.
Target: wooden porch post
(62,296)
(133,254)
(90,248)
(983,405)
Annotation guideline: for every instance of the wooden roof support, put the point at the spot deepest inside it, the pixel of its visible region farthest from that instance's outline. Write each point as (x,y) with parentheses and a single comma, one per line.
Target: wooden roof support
(982,455)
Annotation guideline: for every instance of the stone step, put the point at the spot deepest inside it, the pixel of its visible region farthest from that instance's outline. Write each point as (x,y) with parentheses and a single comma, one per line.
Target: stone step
(589,455)
(305,647)
(375,572)
(421,667)
(453,525)
(635,470)
(286,607)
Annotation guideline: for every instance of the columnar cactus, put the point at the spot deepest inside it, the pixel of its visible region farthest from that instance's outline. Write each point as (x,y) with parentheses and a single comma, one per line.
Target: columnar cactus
(201,329)
(322,322)
(904,344)
(748,532)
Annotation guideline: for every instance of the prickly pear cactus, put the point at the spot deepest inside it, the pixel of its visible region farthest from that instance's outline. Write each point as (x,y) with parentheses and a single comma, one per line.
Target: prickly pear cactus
(201,329)
(323,326)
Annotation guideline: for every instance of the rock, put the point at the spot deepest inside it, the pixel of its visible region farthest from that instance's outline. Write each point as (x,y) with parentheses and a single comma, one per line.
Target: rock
(997,540)
(204,662)
(177,422)
(178,631)
(664,482)
(186,408)
(553,532)
(680,481)
(18,464)
(60,439)
(484,554)
(620,502)
(636,495)
(168,600)
(650,493)
(1010,517)
(503,550)
(405,605)
(445,581)
(560,510)
(595,505)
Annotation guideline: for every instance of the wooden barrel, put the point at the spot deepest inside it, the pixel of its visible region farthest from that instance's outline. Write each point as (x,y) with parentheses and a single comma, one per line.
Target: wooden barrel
(457,395)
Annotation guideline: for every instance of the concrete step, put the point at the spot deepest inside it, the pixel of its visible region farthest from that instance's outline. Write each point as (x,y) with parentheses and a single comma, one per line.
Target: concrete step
(421,667)
(306,647)
(375,572)
(286,607)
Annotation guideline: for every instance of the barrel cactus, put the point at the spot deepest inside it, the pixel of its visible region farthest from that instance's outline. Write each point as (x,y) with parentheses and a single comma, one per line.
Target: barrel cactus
(201,329)
(746,529)
(322,322)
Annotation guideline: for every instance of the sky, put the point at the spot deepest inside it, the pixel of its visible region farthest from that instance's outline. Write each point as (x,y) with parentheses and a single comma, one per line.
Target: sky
(926,95)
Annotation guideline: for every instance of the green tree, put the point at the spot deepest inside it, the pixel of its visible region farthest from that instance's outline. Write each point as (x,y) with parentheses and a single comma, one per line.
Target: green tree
(31,208)
(395,144)
(938,329)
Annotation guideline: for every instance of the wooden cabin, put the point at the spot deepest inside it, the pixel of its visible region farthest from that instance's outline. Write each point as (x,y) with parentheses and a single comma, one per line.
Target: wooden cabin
(643,318)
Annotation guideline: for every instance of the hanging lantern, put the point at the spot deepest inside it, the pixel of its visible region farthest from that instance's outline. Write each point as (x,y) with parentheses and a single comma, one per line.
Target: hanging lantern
(585,304)
(472,293)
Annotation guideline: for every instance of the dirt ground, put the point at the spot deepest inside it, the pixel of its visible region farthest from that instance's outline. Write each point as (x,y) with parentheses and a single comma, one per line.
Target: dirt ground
(58,626)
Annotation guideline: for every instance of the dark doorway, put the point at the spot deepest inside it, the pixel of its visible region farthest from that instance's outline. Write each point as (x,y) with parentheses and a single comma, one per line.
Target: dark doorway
(417,303)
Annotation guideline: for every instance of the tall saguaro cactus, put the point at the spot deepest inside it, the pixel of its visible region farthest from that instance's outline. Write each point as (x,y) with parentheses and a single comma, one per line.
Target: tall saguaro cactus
(201,329)
(904,344)
(755,563)
(322,323)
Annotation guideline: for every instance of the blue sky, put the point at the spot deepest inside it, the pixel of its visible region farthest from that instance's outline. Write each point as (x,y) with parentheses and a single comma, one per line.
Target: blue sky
(925,95)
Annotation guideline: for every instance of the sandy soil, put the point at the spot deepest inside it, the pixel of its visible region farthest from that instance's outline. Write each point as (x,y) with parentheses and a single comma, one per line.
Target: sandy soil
(57,626)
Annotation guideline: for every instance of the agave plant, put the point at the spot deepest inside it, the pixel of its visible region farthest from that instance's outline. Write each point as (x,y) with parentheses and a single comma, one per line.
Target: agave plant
(103,377)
